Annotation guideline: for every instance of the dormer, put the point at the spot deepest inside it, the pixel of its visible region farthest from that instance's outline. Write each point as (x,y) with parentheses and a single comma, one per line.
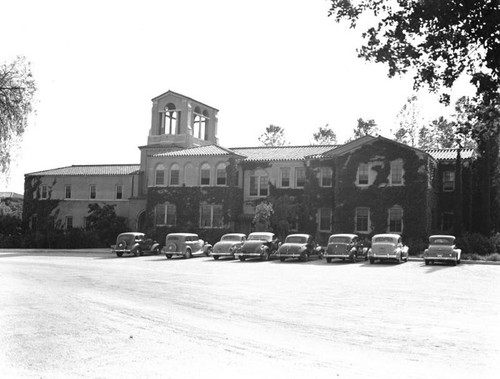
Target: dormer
(182,121)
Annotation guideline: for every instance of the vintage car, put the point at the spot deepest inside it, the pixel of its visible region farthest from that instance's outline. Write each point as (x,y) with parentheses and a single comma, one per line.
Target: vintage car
(299,246)
(228,245)
(134,243)
(442,249)
(261,245)
(388,247)
(345,246)
(185,244)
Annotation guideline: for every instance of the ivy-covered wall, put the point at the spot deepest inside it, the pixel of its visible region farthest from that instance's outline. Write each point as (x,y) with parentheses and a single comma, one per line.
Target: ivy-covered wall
(187,201)
(416,196)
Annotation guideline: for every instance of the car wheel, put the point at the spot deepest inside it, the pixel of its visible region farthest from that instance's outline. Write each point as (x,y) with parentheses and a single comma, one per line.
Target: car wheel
(399,259)
(216,257)
(188,254)
(242,259)
(119,254)
(372,260)
(136,252)
(458,262)
(328,260)
(426,262)
(366,258)
(282,259)
(156,251)
(169,256)
(208,252)
(454,263)
(354,258)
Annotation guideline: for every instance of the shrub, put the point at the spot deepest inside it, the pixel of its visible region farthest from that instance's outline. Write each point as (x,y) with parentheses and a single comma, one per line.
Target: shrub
(493,257)
(476,244)
(416,247)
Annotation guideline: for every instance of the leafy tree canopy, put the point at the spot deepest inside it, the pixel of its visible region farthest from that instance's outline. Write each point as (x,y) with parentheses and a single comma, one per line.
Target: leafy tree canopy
(364,128)
(262,217)
(440,39)
(409,122)
(17,88)
(273,136)
(104,221)
(324,136)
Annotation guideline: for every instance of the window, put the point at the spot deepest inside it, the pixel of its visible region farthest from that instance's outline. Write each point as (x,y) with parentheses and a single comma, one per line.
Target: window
(396,220)
(448,221)
(67,191)
(200,122)
(119,191)
(92,191)
(363,174)
(174,175)
(171,120)
(448,181)
(326,177)
(159,175)
(44,192)
(34,222)
(221,175)
(300,177)
(285,177)
(325,219)
(211,216)
(259,185)
(205,174)
(69,222)
(166,214)
(362,220)
(397,172)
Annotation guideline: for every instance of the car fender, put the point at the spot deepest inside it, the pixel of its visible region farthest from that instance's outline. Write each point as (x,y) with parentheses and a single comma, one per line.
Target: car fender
(155,245)
(206,247)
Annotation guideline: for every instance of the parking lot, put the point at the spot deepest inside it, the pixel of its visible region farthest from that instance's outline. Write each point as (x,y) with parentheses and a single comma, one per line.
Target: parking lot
(91,314)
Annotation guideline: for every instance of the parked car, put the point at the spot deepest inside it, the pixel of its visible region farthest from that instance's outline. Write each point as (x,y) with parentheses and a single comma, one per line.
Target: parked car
(442,249)
(263,245)
(388,247)
(299,246)
(186,245)
(228,245)
(135,243)
(345,246)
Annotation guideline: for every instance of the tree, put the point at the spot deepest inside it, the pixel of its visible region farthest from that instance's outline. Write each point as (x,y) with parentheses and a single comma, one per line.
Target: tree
(439,39)
(104,221)
(262,218)
(273,136)
(439,134)
(17,89)
(410,122)
(324,136)
(365,128)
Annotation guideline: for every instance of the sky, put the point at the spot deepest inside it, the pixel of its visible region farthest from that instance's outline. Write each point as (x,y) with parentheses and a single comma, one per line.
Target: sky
(98,64)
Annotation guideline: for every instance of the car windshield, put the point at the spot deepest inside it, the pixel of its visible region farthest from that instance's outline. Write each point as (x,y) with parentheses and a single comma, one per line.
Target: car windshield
(384,239)
(259,237)
(441,241)
(296,239)
(340,239)
(231,237)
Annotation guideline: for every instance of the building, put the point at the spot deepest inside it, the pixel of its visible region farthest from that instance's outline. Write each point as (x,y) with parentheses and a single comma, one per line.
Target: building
(187,182)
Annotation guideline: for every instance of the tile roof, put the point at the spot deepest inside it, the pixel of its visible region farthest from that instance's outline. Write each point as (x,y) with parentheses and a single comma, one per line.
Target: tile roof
(207,150)
(450,154)
(280,153)
(90,170)
(10,195)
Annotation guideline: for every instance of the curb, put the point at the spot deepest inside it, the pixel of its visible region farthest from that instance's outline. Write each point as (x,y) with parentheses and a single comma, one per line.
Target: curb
(468,262)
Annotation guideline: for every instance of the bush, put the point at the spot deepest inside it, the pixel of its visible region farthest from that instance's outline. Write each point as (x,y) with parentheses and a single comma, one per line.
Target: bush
(476,244)
(493,257)
(416,247)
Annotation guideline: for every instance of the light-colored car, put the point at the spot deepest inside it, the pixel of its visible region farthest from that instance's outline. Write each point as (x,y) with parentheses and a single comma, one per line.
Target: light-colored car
(261,245)
(442,249)
(299,246)
(134,243)
(388,247)
(185,244)
(345,246)
(228,245)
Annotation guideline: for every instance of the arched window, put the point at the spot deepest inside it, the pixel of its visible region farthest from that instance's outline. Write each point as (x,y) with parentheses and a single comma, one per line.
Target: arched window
(205,174)
(221,174)
(171,121)
(159,175)
(204,126)
(174,175)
